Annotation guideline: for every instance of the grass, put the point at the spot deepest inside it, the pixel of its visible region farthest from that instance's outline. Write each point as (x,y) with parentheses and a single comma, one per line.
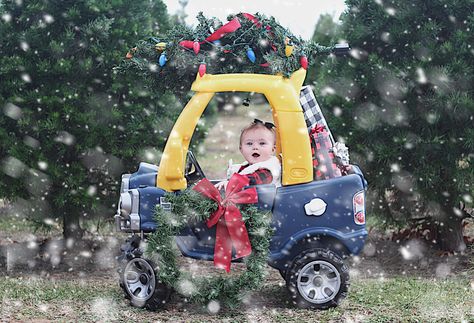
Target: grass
(12,224)
(412,299)
(398,299)
(38,298)
(34,289)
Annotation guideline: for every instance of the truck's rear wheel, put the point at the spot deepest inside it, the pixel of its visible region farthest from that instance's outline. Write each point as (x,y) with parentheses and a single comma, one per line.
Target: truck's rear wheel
(318,278)
(139,281)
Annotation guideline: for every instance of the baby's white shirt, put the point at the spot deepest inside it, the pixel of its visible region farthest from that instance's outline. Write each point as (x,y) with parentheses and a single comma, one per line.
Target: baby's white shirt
(272,164)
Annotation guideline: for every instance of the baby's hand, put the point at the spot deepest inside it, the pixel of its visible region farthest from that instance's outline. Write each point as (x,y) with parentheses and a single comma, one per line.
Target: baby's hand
(221,185)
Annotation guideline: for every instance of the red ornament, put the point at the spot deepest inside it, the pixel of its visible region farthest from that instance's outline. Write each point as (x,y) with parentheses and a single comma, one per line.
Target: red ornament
(304,62)
(186,43)
(231,230)
(202,69)
(196,47)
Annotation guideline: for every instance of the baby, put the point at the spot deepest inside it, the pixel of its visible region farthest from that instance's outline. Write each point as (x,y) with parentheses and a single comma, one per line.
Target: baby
(257,145)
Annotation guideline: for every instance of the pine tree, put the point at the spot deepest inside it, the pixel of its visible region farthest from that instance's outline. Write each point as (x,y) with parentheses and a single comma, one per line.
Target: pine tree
(325,33)
(69,125)
(404,104)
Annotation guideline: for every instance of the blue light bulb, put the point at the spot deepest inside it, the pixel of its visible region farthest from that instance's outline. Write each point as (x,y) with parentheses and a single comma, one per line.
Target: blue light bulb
(162,60)
(251,55)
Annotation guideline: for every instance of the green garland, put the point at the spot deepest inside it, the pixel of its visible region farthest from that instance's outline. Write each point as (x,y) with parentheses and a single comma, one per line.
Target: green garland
(190,206)
(228,55)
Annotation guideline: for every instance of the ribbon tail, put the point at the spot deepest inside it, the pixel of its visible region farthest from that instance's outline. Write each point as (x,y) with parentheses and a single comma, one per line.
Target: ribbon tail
(222,247)
(214,218)
(237,232)
(229,27)
(253,19)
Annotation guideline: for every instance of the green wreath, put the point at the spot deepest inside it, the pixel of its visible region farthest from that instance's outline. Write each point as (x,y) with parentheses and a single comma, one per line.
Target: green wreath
(190,206)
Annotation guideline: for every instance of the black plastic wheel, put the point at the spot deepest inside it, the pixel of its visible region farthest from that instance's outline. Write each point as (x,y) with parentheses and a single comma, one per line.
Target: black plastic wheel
(317,278)
(282,273)
(139,281)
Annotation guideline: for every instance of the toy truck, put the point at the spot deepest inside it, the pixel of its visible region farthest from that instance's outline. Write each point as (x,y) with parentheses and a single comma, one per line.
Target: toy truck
(316,223)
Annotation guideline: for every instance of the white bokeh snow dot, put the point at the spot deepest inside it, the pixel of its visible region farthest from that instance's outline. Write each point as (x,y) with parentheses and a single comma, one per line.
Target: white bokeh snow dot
(65,138)
(413,250)
(467,198)
(24,45)
(213,307)
(391,11)
(13,167)
(42,165)
(26,77)
(48,18)
(443,270)
(105,309)
(186,287)
(91,190)
(12,111)
(369,249)
(105,257)
(328,91)
(7,17)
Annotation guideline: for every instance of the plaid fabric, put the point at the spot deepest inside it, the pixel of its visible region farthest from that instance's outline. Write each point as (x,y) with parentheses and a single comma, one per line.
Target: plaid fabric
(312,112)
(324,165)
(260,176)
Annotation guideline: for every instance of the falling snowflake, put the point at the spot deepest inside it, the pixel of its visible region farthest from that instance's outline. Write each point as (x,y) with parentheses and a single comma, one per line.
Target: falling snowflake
(12,111)
(65,138)
(213,307)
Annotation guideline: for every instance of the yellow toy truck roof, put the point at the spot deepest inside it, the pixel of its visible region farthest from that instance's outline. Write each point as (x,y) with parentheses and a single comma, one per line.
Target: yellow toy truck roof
(283,95)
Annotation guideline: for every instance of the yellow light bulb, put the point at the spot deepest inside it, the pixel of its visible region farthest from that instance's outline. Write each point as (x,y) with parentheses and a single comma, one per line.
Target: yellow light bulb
(160,46)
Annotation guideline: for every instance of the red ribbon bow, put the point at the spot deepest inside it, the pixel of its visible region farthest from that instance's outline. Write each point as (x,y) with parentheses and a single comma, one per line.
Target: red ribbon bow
(229,27)
(231,230)
(317,129)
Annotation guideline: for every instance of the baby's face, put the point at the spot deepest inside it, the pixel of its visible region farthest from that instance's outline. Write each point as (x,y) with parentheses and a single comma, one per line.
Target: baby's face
(257,145)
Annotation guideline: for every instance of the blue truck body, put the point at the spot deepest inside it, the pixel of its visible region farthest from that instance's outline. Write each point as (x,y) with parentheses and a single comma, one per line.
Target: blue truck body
(337,227)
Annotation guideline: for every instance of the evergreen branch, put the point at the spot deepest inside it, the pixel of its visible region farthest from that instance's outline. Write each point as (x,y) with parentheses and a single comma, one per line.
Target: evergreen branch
(188,207)
(267,39)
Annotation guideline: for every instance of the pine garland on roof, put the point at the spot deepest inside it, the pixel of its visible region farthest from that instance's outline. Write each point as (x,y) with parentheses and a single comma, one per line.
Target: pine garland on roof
(245,44)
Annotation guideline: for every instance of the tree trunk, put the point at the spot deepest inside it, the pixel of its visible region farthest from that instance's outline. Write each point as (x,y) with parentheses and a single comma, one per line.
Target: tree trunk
(71,225)
(450,234)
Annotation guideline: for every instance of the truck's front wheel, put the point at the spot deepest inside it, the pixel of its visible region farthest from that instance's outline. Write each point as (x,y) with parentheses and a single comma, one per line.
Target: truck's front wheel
(139,281)
(318,278)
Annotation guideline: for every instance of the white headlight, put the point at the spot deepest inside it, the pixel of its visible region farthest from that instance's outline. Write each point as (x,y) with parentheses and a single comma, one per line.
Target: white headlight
(125,204)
